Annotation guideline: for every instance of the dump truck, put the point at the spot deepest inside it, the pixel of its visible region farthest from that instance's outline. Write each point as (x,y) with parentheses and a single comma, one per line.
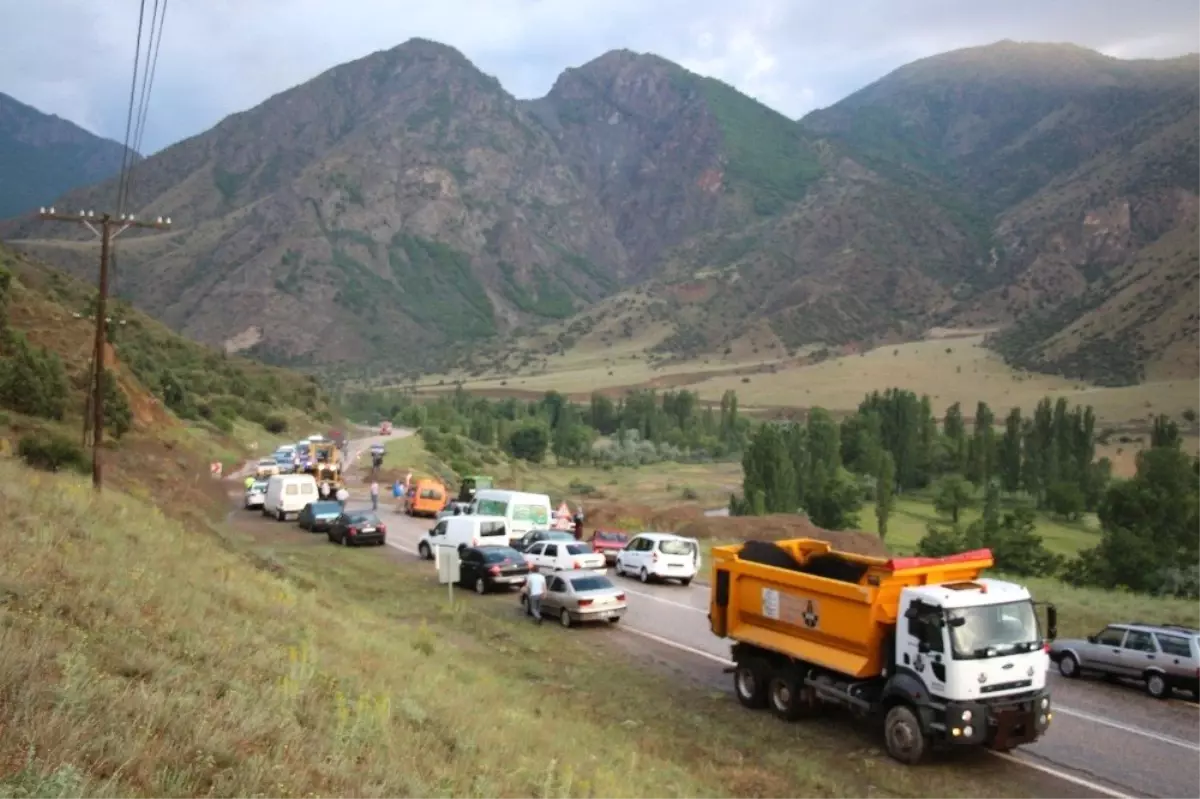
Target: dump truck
(324,462)
(942,655)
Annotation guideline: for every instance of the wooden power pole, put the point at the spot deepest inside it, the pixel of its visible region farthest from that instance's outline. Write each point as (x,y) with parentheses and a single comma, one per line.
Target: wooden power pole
(106,227)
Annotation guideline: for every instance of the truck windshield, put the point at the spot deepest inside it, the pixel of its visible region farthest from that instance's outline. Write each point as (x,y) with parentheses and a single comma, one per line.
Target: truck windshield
(991,630)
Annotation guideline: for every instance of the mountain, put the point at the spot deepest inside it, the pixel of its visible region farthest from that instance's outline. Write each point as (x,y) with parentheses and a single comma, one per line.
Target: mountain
(1084,170)
(403,208)
(43,156)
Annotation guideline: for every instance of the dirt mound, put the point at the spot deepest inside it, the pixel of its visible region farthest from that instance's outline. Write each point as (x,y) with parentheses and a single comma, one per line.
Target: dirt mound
(632,517)
(780,526)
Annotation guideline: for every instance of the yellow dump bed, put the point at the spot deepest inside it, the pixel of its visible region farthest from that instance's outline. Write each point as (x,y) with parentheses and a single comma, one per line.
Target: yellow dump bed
(839,621)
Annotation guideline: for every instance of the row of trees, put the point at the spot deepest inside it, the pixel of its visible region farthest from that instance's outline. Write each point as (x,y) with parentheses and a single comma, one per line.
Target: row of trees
(893,445)
(641,427)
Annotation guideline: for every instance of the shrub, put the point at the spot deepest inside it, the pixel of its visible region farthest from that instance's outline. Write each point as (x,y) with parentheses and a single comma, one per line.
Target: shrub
(52,452)
(276,424)
(118,415)
(33,381)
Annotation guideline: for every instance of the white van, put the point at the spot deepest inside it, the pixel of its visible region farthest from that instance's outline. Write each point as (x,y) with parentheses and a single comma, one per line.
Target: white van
(660,556)
(464,531)
(287,494)
(523,512)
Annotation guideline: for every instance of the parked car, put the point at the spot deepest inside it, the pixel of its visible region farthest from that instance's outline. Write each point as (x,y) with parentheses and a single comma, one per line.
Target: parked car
(255,494)
(356,527)
(565,556)
(660,556)
(318,516)
(1163,656)
(463,509)
(523,543)
(609,543)
(577,597)
(488,568)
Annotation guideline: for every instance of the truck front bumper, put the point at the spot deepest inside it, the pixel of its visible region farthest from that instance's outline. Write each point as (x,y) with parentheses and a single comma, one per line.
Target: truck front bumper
(1000,723)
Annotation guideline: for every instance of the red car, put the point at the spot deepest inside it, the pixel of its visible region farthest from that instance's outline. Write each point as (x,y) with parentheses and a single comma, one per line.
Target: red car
(609,543)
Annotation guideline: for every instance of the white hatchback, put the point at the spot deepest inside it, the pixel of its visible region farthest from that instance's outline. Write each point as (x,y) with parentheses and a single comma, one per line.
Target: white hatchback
(660,556)
(565,556)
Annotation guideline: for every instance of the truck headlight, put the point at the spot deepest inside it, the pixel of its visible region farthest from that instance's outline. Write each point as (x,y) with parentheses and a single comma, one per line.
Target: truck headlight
(967,730)
(966,716)
(1045,702)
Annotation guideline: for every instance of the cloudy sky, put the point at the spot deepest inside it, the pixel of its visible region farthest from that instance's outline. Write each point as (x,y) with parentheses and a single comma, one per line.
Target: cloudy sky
(74,57)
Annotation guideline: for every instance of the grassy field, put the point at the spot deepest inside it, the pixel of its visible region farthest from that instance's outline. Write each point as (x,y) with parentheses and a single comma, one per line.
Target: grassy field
(948,369)
(141,658)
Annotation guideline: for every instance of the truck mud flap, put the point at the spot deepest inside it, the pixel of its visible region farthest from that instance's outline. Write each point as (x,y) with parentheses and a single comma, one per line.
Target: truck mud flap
(1012,728)
(718,619)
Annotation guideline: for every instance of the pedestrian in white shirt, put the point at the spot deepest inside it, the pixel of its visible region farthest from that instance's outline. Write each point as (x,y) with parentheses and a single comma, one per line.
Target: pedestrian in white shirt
(534,591)
(343,496)
(374,495)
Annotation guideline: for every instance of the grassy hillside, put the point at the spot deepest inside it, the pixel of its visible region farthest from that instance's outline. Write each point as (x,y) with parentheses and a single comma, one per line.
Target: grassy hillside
(166,390)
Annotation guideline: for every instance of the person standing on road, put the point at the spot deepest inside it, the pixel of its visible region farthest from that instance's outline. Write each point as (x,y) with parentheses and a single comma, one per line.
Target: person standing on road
(374,495)
(249,481)
(323,489)
(579,523)
(534,590)
(343,496)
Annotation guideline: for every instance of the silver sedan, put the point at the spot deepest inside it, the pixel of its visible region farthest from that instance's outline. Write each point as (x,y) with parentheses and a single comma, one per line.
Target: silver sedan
(582,596)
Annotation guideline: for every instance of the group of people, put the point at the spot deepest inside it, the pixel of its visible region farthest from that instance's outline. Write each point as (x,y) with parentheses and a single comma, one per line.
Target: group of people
(325,489)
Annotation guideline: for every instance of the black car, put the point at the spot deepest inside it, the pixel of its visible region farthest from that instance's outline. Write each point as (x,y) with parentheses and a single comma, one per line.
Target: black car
(356,527)
(488,568)
(523,543)
(318,516)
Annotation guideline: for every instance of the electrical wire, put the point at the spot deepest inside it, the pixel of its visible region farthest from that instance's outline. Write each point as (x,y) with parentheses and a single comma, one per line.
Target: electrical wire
(125,159)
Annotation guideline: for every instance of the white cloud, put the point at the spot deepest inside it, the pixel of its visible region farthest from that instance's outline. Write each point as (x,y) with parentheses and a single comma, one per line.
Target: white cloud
(73,57)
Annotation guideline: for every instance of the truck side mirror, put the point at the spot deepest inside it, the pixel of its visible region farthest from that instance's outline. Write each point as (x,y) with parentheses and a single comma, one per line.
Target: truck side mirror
(1051,622)
(912,613)
(1091,639)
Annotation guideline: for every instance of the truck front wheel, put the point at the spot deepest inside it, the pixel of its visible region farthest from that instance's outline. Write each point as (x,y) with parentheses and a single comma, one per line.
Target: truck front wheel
(750,683)
(906,740)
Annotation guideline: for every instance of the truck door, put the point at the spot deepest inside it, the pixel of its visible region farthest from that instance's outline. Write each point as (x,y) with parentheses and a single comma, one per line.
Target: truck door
(922,648)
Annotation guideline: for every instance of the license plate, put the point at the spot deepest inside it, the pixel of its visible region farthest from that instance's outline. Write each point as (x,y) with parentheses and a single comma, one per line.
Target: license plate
(368,529)
(674,565)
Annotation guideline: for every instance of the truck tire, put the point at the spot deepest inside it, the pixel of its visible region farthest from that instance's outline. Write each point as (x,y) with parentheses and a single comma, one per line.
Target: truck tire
(750,683)
(905,738)
(788,697)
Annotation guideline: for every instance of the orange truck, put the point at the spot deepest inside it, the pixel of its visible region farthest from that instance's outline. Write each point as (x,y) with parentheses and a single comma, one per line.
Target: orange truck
(941,654)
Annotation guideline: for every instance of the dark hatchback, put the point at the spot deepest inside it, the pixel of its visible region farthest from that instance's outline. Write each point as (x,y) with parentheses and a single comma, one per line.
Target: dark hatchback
(357,527)
(488,568)
(318,516)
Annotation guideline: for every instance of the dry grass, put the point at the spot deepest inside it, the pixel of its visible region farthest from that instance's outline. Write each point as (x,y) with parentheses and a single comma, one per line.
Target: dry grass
(138,658)
(948,369)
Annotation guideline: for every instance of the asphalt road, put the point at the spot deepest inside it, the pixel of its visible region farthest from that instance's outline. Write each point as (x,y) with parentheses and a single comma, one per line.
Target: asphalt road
(1106,739)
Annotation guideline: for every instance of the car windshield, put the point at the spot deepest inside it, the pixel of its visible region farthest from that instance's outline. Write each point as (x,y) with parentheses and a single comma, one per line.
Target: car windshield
(673,546)
(538,514)
(591,583)
(577,549)
(501,554)
(258,486)
(327,507)
(619,538)
(362,518)
(992,630)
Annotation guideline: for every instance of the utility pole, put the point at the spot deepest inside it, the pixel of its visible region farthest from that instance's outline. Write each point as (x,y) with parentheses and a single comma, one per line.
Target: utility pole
(109,228)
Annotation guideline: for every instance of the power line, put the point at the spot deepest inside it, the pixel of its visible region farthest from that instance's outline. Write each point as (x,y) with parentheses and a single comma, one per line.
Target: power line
(157,41)
(125,159)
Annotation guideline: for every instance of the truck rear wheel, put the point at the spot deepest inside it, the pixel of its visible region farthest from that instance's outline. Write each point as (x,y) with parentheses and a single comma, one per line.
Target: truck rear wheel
(750,683)
(905,739)
(788,697)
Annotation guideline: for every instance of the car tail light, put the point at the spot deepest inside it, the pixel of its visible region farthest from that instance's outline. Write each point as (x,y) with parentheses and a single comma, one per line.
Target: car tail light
(494,570)
(620,597)
(1046,647)
(383,528)
(575,564)
(583,603)
(352,531)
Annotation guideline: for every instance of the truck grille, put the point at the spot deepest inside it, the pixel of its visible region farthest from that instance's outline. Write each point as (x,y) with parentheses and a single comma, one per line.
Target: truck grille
(1005,686)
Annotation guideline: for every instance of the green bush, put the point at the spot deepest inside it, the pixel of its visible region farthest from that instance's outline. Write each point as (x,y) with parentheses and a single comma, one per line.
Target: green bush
(118,416)
(33,381)
(276,424)
(52,452)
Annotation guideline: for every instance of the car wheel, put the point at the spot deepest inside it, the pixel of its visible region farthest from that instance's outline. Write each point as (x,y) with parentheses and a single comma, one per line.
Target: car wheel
(1068,666)
(280,515)
(564,618)
(480,586)
(685,582)
(1156,685)
(614,619)
(329,535)
(423,551)
(382,542)
(345,540)
(644,576)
